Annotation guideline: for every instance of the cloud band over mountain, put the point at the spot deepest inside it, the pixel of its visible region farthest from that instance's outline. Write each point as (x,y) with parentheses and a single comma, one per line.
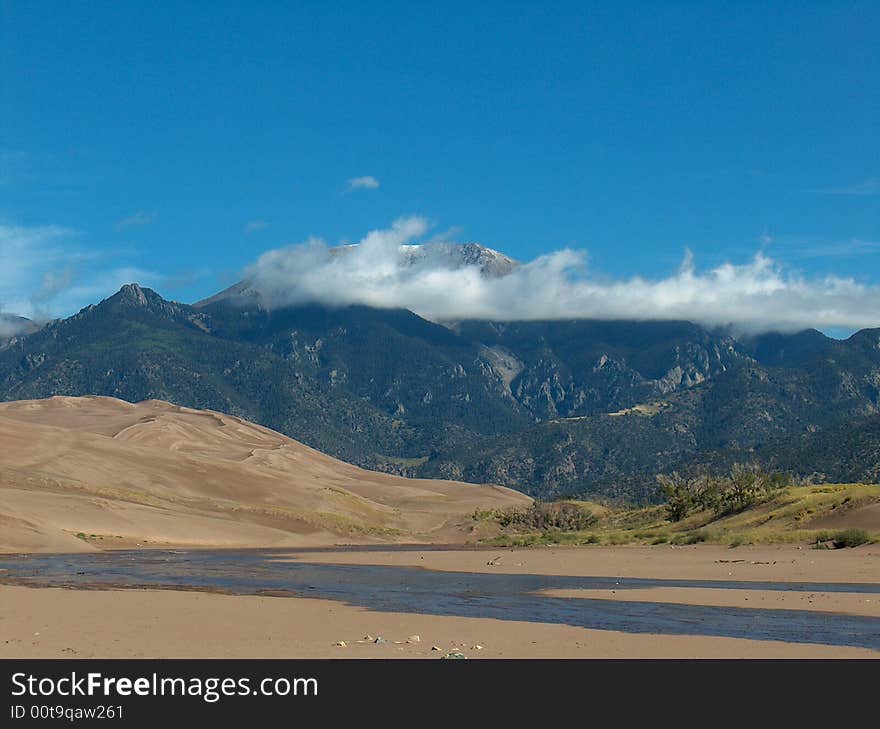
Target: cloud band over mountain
(758,295)
(44,275)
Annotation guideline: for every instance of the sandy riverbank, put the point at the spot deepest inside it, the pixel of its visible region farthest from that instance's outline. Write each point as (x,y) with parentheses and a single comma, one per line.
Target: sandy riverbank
(776,563)
(49,623)
(150,623)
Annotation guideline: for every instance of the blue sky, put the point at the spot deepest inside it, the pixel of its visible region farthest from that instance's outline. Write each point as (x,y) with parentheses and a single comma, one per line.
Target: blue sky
(178,142)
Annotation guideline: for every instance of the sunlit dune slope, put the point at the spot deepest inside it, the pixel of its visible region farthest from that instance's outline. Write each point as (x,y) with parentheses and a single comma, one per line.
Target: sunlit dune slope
(91,472)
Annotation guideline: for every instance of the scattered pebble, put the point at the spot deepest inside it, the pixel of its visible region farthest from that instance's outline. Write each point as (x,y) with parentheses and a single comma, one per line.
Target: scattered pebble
(340,644)
(454,655)
(380,641)
(436,648)
(414,639)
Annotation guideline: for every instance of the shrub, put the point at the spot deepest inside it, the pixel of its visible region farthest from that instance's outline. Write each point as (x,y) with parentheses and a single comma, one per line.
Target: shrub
(678,491)
(745,486)
(690,538)
(561,516)
(642,534)
(696,537)
(851,538)
(842,538)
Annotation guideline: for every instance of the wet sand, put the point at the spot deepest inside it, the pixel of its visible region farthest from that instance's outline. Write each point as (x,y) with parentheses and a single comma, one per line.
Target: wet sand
(826,602)
(776,563)
(49,623)
(52,622)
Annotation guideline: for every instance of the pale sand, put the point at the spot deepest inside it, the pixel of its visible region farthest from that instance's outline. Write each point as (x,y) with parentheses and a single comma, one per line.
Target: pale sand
(185,624)
(863,603)
(49,623)
(160,475)
(772,563)
(157,474)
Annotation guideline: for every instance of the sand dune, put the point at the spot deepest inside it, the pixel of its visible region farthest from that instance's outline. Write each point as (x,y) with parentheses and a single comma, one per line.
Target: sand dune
(92,472)
(860,516)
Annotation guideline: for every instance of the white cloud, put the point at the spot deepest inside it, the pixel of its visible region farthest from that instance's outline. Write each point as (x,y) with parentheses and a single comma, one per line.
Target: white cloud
(869,186)
(758,295)
(363,183)
(9,327)
(24,254)
(255,225)
(138,220)
(851,248)
(44,274)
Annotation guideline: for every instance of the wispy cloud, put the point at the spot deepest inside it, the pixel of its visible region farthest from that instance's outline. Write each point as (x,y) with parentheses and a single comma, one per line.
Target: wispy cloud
(139,219)
(255,225)
(24,255)
(446,236)
(757,295)
(852,248)
(363,183)
(44,273)
(869,186)
(10,326)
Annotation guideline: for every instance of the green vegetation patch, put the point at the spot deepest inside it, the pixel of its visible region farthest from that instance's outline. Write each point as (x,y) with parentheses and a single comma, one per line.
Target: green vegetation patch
(562,516)
(843,538)
(777,515)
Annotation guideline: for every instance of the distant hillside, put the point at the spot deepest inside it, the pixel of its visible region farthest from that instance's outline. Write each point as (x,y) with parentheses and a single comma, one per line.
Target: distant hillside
(830,516)
(550,408)
(846,452)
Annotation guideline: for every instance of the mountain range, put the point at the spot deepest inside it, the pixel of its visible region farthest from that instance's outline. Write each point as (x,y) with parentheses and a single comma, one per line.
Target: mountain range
(551,408)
